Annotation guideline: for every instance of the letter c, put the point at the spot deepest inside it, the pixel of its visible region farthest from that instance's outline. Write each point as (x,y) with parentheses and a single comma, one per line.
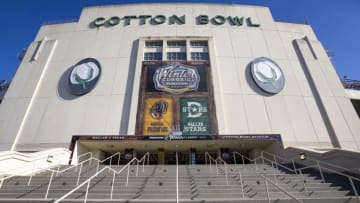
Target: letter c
(99,21)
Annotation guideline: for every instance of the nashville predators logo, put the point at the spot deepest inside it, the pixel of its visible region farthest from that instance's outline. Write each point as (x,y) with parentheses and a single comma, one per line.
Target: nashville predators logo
(158,109)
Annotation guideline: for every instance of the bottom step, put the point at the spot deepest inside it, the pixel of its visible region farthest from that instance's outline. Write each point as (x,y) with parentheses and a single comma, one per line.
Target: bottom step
(225,200)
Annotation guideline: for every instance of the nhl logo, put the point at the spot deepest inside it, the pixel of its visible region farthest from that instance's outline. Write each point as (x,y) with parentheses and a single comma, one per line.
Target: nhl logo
(158,109)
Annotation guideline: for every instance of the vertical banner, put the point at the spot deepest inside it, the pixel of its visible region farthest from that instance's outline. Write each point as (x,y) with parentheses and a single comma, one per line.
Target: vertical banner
(158,116)
(195,116)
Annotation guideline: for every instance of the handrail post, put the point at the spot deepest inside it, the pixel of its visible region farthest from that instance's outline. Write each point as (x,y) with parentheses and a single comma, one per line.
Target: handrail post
(119,159)
(217,169)
(112,186)
(272,165)
(110,163)
(234,158)
(243,161)
(148,158)
(226,175)
(321,173)
(241,185)
(302,180)
(205,159)
(48,188)
(57,172)
(28,184)
(275,161)
(177,179)
(127,176)
(78,179)
(267,190)
(354,188)
(97,167)
(87,192)
(293,163)
(143,170)
(137,168)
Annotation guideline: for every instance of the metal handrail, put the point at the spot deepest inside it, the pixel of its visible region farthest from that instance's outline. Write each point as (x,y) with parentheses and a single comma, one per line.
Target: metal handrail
(110,157)
(84,154)
(278,187)
(319,167)
(243,161)
(102,170)
(44,159)
(177,179)
(207,155)
(60,171)
(307,158)
(266,180)
(272,164)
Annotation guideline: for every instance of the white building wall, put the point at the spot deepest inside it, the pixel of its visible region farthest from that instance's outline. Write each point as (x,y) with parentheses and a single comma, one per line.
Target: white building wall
(111,107)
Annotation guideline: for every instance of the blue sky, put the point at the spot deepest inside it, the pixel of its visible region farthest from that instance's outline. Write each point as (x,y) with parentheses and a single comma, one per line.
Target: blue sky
(335,22)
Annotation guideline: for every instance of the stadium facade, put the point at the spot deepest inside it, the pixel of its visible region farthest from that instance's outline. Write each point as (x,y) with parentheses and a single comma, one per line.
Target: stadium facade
(177,77)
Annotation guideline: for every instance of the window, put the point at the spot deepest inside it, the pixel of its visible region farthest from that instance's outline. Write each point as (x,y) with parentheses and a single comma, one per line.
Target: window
(152,56)
(153,44)
(176,56)
(199,56)
(176,43)
(199,43)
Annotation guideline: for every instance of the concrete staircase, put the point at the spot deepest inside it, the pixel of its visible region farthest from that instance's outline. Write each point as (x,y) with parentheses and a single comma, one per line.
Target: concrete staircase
(197,183)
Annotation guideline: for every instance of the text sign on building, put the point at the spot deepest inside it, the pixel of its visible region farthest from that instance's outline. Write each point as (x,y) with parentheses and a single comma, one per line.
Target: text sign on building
(158,116)
(174,19)
(195,116)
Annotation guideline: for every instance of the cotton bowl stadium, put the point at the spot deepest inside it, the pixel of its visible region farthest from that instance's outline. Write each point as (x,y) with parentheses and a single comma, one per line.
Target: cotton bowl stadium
(179,102)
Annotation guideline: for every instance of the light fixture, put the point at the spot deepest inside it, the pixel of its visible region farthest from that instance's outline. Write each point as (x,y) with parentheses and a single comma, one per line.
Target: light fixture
(50,159)
(302,156)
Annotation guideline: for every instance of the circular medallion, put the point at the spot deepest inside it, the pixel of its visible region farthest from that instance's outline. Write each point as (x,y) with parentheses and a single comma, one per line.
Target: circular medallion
(267,75)
(84,76)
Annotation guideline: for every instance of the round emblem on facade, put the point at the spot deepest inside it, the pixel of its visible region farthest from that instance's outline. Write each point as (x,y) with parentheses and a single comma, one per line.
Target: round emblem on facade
(267,75)
(84,76)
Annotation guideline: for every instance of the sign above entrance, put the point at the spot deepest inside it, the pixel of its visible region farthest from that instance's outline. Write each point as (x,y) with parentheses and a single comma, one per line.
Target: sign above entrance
(174,19)
(84,76)
(267,75)
(176,78)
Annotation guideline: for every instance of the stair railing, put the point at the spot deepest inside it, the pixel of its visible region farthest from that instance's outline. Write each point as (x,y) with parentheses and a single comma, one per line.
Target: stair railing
(66,169)
(110,157)
(115,172)
(272,164)
(303,182)
(266,180)
(35,167)
(208,156)
(243,158)
(84,154)
(218,159)
(321,168)
(58,171)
